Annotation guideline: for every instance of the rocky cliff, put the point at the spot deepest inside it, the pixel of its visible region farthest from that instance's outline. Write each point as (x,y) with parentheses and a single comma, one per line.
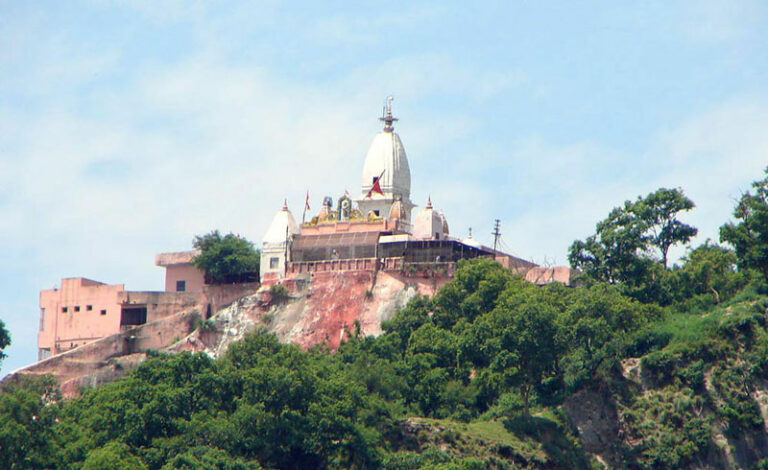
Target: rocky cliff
(316,309)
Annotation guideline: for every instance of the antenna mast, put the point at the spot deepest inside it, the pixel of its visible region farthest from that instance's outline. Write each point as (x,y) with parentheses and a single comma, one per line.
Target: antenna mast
(496,234)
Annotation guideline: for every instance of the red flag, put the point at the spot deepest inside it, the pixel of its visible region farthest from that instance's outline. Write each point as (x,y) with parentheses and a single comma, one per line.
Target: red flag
(376,186)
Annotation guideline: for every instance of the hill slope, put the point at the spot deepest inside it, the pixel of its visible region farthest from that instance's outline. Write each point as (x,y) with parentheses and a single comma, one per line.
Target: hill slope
(492,372)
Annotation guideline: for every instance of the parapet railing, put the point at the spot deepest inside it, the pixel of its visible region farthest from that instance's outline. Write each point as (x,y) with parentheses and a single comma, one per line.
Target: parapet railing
(350,264)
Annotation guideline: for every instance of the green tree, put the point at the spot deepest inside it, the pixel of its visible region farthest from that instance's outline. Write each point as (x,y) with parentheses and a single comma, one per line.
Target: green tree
(227,258)
(620,250)
(28,412)
(111,456)
(532,343)
(750,235)
(659,211)
(709,269)
(615,252)
(5,340)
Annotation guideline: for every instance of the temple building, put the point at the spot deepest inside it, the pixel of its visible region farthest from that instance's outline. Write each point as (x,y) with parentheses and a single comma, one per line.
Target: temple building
(375,231)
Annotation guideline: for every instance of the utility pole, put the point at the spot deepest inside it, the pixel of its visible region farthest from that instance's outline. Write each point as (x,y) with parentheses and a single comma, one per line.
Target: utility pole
(496,235)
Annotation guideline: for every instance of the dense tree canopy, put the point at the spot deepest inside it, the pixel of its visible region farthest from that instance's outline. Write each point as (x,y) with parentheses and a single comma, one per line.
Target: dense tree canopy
(750,235)
(620,250)
(631,246)
(227,258)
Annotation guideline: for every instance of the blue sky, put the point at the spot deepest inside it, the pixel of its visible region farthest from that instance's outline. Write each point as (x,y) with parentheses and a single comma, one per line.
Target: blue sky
(127,127)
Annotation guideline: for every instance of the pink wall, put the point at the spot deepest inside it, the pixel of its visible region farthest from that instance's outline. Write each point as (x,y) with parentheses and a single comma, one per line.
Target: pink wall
(195,278)
(83,321)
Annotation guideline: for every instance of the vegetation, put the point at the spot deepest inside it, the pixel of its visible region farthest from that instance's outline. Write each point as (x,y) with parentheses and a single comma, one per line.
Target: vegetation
(750,236)
(226,259)
(5,340)
(484,375)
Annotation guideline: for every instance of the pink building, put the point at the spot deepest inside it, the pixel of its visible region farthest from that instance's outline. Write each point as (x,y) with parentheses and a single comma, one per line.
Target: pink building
(181,275)
(80,311)
(83,310)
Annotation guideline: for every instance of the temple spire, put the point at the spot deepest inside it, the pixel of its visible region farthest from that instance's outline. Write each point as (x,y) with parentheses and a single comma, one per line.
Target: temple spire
(387,115)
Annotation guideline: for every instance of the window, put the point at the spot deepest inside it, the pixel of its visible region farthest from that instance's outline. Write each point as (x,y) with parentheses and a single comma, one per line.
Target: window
(42,321)
(181,286)
(89,308)
(274,262)
(104,312)
(376,212)
(77,308)
(63,309)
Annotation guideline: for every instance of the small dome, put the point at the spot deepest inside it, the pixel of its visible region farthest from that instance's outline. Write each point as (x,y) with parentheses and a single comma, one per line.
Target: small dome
(469,241)
(397,211)
(428,224)
(277,229)
(445,223)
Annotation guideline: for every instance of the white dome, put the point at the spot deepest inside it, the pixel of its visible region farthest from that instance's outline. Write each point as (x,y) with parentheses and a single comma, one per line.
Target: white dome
(387,154)
(469,241)
(428,225)
(277,229)
(445,222)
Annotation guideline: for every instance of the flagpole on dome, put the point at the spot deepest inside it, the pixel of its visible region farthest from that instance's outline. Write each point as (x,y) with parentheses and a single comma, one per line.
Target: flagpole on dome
(306,208)
(387,115)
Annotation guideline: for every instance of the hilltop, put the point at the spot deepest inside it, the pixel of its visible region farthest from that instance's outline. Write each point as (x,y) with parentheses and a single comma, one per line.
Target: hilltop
(639,365)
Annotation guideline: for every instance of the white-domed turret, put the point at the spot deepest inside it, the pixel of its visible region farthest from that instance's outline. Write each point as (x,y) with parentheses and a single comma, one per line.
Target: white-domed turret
(386,173)
(469,241)
(428,224)
(275,241)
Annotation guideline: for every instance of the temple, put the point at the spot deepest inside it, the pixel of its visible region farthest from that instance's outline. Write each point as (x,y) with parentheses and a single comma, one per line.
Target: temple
(379,233)
(376,231)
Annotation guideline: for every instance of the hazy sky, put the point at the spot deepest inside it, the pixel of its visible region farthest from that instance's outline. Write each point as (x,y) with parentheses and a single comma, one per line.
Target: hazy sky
(127,127)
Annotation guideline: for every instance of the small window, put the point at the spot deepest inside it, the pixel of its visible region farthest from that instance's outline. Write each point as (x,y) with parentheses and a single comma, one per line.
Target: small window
(89,308)
(376,212)
(181,286)
(274,262)
(77,308)
(104,312)
(63,309)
